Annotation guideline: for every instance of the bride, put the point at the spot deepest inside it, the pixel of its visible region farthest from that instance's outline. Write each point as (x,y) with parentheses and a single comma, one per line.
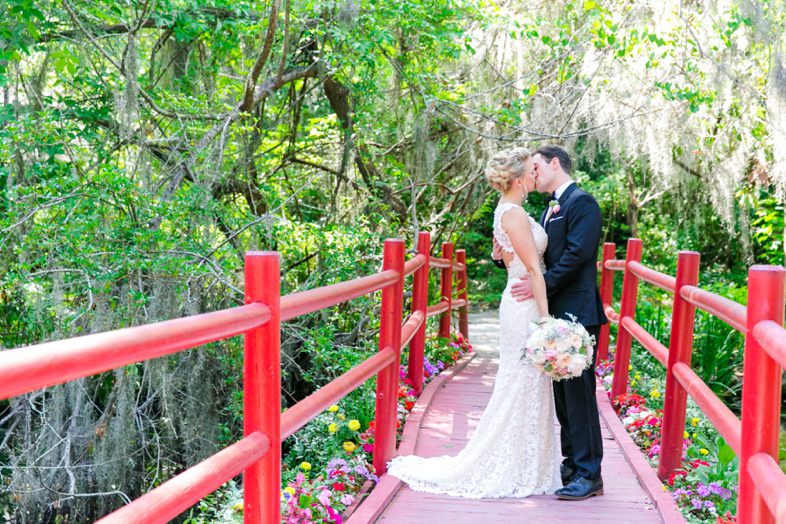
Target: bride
(513,452)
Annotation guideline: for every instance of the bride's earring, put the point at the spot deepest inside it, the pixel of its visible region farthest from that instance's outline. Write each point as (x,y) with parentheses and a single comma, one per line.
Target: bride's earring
(521,192)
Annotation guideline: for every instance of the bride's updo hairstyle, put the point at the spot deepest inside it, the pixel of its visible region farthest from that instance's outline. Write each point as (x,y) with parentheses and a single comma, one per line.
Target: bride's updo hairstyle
(505,167)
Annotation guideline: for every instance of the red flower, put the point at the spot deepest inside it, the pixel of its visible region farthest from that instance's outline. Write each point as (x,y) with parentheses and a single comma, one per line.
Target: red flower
(409,404)
(338,486)
(674,476)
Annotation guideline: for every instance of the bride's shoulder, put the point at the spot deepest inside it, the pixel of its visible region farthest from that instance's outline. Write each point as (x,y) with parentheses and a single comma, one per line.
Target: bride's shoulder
(513,213)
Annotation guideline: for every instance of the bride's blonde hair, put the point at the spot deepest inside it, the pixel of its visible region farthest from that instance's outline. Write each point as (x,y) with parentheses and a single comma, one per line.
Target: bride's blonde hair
(505,167)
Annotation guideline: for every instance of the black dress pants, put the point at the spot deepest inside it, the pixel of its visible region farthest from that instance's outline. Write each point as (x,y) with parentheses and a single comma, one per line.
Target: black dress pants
(577,412)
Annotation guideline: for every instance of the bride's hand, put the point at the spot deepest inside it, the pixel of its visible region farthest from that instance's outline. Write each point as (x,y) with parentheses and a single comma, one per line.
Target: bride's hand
(522,291)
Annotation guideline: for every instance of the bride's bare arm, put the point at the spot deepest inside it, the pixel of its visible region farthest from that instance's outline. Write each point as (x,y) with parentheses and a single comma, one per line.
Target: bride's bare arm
(516,224)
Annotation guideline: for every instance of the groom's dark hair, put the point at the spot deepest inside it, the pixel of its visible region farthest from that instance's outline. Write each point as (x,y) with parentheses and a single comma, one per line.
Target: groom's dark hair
(550,152)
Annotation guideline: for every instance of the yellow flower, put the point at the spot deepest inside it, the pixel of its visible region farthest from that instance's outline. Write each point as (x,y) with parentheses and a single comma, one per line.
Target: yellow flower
(332,428)
(354,425)
(704,451)
(238,507)
(305,466)
(685,434)
(654,393)
(694,421)
(632,383)
(637,376)
(341,416)
(333,408)
(694,435)
(349,447)
(630,368)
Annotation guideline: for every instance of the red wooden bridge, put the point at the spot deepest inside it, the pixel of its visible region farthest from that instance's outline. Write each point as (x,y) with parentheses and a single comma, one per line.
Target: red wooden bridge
(449,407)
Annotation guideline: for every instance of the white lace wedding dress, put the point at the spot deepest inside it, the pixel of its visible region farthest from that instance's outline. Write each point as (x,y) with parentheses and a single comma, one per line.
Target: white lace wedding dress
(513,452)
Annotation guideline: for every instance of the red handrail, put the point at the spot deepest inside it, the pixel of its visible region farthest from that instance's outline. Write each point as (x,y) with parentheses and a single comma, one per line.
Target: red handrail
(720,307)
(34,367)
(650,343)
(297,304)
(754,436)
(415,263)
(656,278)
(726,422)
(772,338)
(176,495)
(257,455)
(301,413)
(437,309)
(446,288)
(440,263)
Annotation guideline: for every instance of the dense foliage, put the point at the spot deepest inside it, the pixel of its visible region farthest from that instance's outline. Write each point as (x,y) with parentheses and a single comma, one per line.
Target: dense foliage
(145,146)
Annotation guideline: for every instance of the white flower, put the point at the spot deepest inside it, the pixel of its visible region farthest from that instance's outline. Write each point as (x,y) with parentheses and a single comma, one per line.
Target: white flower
(577,365)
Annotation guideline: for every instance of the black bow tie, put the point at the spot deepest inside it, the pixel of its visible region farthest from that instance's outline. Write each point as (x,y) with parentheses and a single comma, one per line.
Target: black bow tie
(554,195)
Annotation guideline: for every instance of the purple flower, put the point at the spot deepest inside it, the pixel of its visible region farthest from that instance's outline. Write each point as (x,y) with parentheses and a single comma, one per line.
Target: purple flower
(655,450)
(429,367)
(347,500)
(336,465)
(324,497)
(710,506)
(362,470)
(703,490)
(440,365)
(680,492)
(696,503)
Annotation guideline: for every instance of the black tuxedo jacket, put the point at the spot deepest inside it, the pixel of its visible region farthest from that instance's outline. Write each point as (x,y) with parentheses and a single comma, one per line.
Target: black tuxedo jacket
(571,258)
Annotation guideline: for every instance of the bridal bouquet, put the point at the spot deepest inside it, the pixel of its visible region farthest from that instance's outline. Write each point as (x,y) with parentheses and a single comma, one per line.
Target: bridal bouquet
(560,348)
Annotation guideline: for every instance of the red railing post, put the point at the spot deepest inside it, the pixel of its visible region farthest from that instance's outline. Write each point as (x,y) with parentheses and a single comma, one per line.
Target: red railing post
(606,293)
(446,287)
(683,316)
(387,379)
(419,303)
(630,287)
(461,258)
(761,390)
(262,389)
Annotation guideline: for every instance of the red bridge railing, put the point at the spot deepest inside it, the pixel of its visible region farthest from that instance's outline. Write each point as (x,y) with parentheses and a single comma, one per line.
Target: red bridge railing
(753,436)
(258,454)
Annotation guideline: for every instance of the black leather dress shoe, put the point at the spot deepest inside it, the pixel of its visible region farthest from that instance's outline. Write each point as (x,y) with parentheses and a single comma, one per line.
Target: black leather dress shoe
(581,488)
(566,473)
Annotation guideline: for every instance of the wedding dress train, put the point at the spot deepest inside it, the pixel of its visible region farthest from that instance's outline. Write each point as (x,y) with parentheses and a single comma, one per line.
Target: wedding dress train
(513,451)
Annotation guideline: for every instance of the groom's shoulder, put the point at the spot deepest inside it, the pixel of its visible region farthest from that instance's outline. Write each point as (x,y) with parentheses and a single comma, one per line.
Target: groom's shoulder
(579,194)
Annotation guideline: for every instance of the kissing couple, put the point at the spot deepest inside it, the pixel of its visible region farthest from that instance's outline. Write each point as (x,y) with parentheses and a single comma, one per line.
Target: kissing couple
(551,266)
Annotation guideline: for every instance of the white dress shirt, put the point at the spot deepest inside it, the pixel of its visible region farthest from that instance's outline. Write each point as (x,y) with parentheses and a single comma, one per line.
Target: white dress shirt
(558,193)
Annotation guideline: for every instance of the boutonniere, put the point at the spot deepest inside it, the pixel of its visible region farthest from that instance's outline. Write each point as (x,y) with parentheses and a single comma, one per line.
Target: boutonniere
(554,205)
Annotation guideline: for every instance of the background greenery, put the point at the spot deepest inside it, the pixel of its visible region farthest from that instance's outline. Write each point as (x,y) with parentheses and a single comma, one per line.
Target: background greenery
(146,145)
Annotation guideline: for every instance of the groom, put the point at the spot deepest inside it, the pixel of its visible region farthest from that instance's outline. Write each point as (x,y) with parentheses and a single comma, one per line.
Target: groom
(573,224)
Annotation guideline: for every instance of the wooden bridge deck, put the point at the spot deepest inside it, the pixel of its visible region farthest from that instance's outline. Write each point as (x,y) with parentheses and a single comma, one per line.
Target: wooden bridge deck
(632,492)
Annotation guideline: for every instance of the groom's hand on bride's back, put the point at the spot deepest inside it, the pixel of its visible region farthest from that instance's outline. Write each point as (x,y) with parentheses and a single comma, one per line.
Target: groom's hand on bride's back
(522,291)
(496,254)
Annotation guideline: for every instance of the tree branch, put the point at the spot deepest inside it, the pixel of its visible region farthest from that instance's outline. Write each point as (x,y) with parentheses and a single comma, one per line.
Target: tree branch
(251,81)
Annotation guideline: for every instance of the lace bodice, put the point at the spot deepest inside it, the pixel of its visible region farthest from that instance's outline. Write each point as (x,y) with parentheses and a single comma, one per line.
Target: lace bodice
(516,268)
